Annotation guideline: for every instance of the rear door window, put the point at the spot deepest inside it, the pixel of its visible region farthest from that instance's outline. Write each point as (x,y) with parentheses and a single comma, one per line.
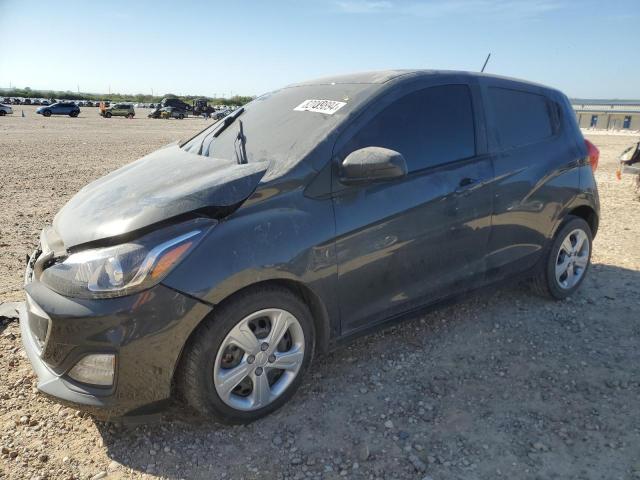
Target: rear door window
(522,118)
(428,127)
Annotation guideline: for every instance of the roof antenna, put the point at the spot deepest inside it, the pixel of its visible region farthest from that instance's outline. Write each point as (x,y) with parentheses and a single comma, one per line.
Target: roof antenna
(485,62)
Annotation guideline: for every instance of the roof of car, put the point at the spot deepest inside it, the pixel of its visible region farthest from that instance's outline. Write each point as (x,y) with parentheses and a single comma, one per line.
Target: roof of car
(383,76)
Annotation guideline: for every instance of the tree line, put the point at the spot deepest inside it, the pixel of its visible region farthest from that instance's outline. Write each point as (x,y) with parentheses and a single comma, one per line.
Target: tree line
(117,97)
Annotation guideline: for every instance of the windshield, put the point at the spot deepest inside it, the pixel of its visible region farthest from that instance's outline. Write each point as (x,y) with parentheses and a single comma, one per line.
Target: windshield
(282,127)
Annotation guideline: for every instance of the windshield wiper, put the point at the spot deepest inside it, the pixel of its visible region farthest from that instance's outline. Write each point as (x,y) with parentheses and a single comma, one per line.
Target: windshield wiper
(242,140)
(228,120)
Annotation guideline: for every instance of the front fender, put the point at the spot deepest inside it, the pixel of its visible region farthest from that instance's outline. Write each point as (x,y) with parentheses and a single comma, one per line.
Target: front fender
(290,237)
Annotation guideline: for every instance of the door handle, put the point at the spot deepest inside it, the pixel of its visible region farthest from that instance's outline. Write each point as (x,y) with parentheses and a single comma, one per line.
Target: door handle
(465,184)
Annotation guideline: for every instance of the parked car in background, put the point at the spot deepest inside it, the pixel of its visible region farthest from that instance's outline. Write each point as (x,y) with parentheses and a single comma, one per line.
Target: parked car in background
(59,108)
(168,112)
(219,114)
(5,110)
(172,112)
(45,102)
(177,103)
(119,110)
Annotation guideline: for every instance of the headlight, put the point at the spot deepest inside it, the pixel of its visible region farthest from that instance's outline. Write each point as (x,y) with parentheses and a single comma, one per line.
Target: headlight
(127,268)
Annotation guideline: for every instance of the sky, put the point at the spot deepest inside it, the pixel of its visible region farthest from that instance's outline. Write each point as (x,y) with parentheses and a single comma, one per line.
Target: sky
(588,48)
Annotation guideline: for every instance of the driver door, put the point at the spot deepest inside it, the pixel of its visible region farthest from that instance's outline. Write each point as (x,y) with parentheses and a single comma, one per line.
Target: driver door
(410,241)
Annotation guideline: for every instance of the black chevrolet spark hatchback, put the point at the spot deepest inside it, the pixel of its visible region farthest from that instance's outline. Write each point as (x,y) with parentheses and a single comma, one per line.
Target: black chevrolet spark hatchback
(215,269)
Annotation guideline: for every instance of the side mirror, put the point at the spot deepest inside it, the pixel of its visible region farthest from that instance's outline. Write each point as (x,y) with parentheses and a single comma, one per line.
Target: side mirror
(372,164)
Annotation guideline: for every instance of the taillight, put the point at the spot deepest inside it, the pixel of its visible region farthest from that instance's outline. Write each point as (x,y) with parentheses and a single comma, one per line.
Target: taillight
(593,153)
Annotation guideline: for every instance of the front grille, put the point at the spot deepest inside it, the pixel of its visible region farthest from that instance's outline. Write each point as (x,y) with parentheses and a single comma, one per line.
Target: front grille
(38,322)
(39,328)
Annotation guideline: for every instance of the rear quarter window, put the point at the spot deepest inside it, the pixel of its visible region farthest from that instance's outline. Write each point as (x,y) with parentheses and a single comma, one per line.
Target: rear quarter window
(522,118)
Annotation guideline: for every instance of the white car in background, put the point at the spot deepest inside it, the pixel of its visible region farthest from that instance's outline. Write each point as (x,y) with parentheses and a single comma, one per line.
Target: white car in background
(5,110)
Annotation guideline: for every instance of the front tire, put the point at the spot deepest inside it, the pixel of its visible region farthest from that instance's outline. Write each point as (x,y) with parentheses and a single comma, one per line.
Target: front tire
(47,113)
(180,117)
(565,267)
(250,357)
(107,115)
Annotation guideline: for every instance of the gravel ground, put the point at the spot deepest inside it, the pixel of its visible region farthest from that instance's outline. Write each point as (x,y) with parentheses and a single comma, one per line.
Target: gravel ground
(503,385)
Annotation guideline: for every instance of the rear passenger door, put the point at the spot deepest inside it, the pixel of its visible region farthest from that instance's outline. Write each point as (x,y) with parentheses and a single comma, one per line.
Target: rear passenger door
(533,165)
(403,243)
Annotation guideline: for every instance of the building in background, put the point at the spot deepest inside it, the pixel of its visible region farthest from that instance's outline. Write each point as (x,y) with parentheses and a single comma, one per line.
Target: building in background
(607,114)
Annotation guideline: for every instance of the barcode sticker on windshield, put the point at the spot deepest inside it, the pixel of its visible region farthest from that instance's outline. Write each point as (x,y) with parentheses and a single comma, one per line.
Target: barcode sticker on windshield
(328,107)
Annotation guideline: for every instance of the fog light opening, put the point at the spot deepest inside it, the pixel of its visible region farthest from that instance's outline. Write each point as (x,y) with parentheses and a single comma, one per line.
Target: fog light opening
(95,369)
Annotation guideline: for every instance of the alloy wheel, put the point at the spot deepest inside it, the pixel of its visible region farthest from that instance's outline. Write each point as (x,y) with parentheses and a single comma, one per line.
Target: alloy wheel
(258,359)
(572,259)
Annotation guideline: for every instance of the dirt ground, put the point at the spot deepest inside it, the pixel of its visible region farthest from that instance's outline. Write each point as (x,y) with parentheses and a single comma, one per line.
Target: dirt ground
(504,385)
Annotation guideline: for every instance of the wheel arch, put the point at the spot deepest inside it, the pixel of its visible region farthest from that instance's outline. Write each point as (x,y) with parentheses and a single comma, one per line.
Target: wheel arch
(318,310)
(588,214)
(582,210)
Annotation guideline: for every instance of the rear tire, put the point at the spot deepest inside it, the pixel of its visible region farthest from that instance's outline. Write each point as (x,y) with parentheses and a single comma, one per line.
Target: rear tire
(130,116)
(2,113)
(257,313)
(565,266)
(180,117)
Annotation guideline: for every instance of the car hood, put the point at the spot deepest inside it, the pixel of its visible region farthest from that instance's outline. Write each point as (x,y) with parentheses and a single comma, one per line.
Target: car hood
(165,184)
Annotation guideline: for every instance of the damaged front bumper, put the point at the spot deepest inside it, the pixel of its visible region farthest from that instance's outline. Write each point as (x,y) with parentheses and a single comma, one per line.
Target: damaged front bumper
(144,332)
